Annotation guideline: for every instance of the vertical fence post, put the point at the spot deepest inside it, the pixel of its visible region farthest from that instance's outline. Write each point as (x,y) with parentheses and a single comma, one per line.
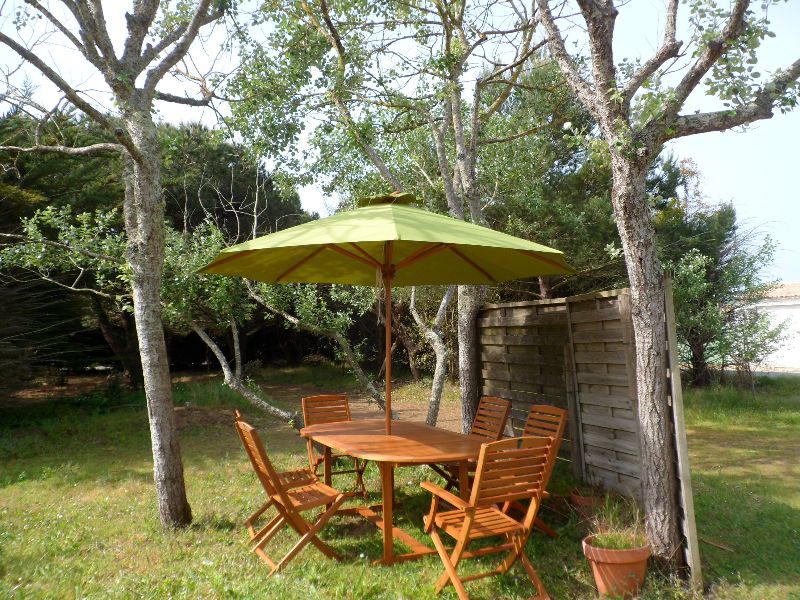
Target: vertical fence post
(573,421)
(579,465)
(684,475)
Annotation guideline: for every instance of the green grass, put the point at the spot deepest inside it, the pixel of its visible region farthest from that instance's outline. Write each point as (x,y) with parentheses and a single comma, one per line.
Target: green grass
(78,515)
(319,375)
(745,458)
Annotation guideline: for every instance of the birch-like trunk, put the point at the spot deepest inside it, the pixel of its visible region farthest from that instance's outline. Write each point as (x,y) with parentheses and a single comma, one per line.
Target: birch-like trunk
(234,381)
(435,338)
(634,222)
(144,223)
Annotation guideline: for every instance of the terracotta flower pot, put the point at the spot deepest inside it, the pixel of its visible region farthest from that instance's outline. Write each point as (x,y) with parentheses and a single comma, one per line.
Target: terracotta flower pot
(617,572)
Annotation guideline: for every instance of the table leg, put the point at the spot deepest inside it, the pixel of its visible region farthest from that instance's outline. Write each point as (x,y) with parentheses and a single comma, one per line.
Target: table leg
(463,479)
(387,491)
(327,465)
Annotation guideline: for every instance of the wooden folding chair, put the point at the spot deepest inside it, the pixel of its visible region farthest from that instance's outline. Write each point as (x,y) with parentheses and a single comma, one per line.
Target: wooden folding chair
(331,408)
(489,423)
(290,493)
(545,421)
(509,470)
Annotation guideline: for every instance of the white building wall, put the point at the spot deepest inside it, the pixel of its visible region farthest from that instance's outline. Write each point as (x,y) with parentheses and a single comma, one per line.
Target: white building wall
(788,356)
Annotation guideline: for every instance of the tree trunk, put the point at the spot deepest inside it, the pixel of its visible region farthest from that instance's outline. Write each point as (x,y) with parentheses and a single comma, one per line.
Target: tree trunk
(383,364)
(402,336)
(634,222)
(122,341)
(144,222)
(439,376)
(344,345)
(701,376)
(234,381)
(545,287)
(435,338)
(470,299)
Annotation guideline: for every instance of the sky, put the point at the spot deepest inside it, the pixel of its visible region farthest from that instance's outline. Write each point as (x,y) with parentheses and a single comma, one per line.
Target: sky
(757,169)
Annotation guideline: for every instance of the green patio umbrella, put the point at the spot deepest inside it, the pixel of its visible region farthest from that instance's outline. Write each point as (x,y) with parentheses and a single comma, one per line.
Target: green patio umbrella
(387,240)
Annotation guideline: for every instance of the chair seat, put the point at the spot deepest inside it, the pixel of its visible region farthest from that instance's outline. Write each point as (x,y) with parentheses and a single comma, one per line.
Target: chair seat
(489,521)
(310,496)
(296,478)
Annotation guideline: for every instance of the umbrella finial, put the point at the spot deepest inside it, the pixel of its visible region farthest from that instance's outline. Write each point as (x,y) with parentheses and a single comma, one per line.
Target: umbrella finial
(392,198)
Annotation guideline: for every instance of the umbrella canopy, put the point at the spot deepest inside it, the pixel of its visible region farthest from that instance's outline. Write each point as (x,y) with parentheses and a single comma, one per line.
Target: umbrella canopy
(399,244)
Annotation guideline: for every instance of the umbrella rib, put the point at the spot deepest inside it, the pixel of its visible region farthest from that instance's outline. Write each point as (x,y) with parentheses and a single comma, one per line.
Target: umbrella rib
(370,263)
(537,256)
(422,253)
(222,261)
(472,263)
(300,263)
(366,254)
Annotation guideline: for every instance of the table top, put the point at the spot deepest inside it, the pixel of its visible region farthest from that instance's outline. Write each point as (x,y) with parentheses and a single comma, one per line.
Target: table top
(409,442)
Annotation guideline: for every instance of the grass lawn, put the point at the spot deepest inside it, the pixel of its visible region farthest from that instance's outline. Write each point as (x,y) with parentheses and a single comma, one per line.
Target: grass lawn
(745,460)
(78,515)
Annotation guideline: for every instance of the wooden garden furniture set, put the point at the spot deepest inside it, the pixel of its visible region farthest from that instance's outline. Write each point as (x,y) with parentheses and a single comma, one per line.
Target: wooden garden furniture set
(501,483)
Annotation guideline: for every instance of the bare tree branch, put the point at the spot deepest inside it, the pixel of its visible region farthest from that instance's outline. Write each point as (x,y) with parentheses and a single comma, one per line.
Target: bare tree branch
(54,77)
(761,108)
(97,25)
(600,17)
(516,69)
(331,34)
(58,24)
(93,150)
(715,48)
(144,11)
(576,82)
(166,97)
(332,334)
(201,17)
(235,383)
(669,49)
(78,290)
(512,137)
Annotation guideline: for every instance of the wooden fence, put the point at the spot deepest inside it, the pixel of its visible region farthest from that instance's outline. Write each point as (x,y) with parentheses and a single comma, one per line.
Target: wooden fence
(575,353)
(578,353)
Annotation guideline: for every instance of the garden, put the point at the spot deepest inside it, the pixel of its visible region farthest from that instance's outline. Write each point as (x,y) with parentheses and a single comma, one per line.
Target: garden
(78,517)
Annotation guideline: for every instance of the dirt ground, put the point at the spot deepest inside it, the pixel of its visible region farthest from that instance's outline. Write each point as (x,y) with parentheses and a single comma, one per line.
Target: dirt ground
(407,401)
(408,407)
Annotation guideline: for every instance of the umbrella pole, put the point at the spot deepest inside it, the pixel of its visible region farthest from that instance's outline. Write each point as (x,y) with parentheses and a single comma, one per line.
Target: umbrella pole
(387,287)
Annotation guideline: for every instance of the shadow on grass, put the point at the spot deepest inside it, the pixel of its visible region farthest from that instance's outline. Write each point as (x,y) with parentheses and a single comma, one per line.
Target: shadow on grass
(214,521)
(68,442)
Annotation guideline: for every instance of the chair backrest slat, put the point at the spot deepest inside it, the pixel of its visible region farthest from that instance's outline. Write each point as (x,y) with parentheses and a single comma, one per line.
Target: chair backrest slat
(512,469)
(328,408)
(261,464)
(490,418)
(550,421)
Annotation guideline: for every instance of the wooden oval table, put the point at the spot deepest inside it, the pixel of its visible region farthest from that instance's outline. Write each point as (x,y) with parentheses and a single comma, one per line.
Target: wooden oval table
(409,443)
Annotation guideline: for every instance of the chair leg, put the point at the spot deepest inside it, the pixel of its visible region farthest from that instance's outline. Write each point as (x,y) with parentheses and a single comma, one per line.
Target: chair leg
(360,466)
(310,533)
(534,577)
(518,553)
(451,479)
(545,528)
(279,521)
(455,557)
(450,574)
(251,519)
(267,529)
